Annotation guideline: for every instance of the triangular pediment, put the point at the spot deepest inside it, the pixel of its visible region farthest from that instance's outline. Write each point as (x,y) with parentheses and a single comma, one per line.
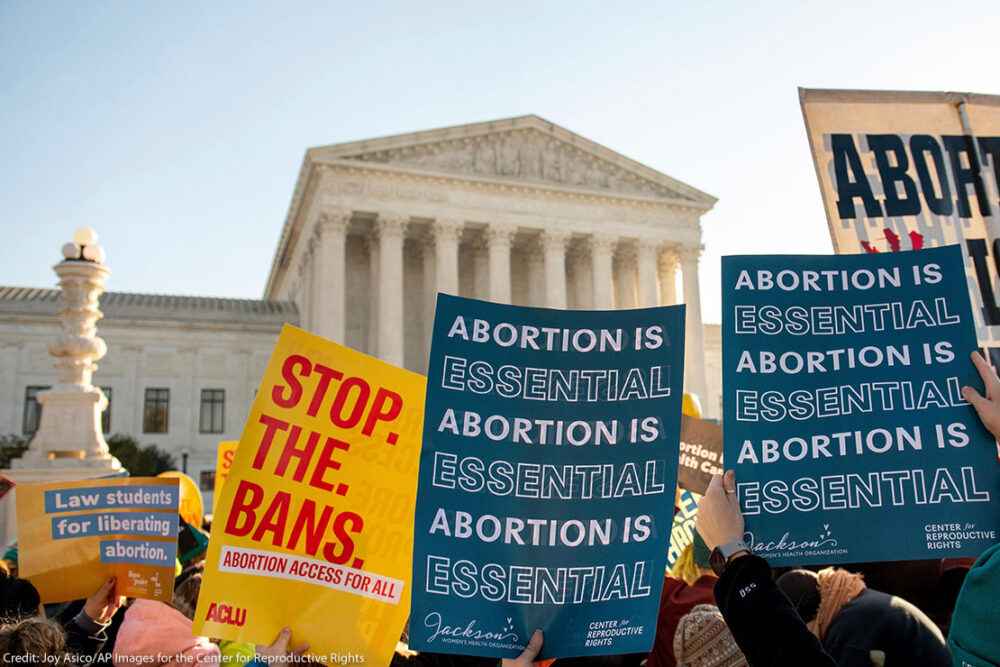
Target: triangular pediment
(525,149)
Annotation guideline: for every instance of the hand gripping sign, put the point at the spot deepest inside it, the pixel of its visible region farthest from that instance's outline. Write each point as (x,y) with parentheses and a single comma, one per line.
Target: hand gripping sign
(314,529)
(72,536)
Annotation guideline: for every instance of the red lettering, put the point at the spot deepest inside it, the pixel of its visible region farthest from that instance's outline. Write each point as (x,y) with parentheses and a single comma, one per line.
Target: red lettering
(274,519)
(264,447)
(342,532)
(303,455)
(326,374)
(294,386)
(337,409)
(386,407)
(327,462)
(306,522)
(247,499)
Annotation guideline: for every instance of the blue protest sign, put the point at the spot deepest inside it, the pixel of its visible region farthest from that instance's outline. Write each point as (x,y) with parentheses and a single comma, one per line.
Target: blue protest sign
(682,532)
(844,418)
(547,477)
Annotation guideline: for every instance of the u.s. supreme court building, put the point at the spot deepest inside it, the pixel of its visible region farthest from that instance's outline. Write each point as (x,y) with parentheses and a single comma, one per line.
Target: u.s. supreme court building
(517,211)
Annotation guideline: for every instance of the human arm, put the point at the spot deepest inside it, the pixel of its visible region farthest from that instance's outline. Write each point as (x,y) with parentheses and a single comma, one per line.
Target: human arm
(987,407)
(763,622)
(85,631)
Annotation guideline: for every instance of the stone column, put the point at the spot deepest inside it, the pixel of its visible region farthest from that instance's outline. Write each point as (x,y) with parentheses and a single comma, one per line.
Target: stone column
(329,307)
(668,276)
(554,249)
(430,290)
(498,239)
(309,317)
(446,235)
(390,296)
(480,268)
(694,338)
(648,296)
(582,284)
(625,276)
(374,288)
(536,273)
(601,249)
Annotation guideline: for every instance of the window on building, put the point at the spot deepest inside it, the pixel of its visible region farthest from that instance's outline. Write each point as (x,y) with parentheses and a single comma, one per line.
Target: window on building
(213,411)
(106,415)
(156,410)
(32,409)
(206,481)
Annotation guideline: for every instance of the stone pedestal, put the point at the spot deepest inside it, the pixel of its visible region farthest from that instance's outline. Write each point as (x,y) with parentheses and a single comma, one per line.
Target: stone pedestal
(69,444)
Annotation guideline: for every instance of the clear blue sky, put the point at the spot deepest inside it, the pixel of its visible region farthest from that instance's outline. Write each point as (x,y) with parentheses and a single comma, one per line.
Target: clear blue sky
(177,129)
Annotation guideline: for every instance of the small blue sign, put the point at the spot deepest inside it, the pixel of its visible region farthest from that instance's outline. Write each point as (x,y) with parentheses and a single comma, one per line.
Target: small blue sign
(139,552)
(154,524)
(547,476)
(844,418)
(160,497)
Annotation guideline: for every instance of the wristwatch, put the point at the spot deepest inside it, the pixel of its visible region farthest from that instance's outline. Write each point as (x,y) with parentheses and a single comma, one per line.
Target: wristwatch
(722,553)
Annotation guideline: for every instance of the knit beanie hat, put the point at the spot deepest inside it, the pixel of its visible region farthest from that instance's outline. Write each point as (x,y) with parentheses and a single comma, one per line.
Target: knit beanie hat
(703,640)
(973,639)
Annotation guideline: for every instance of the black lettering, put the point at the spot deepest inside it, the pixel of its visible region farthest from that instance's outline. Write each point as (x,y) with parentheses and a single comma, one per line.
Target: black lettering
(920,146)
(854,185)
(965,176)
(977,251)
(991,146)
(882,145)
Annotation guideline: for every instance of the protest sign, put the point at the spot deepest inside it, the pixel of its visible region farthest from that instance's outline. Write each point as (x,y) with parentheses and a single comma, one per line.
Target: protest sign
(844,417)
(546,478)
(682,531)
(911,170)
(701,453)
(72,536)
(314,529)
(223,464)
(192,507)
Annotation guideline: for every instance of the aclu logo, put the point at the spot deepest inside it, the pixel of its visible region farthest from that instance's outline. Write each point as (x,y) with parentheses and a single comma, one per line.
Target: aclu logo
(223,613)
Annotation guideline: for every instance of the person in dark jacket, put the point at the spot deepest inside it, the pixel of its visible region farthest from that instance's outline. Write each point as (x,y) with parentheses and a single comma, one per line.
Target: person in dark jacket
(86,630)
(764,623)
(855,623)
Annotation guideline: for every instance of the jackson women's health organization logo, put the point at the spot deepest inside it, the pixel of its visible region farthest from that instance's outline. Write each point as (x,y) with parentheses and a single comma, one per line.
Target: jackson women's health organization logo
(470,634)
(824,544)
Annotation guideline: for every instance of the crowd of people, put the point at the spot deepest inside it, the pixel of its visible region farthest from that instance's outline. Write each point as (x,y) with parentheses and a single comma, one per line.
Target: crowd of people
(712,613)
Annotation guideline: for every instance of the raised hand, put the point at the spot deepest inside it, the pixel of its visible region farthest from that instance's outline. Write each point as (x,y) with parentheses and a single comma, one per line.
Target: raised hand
(719,520)
(529,654)
(988,407)
(101,606)
(279,648)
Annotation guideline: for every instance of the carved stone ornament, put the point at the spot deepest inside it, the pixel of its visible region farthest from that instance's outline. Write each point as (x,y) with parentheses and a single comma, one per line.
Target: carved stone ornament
(522,154)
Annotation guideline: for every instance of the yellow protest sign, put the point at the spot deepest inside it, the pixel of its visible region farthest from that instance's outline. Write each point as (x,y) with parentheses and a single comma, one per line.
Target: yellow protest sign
(72,536)
(315,528)
(192,506)
(223,465)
